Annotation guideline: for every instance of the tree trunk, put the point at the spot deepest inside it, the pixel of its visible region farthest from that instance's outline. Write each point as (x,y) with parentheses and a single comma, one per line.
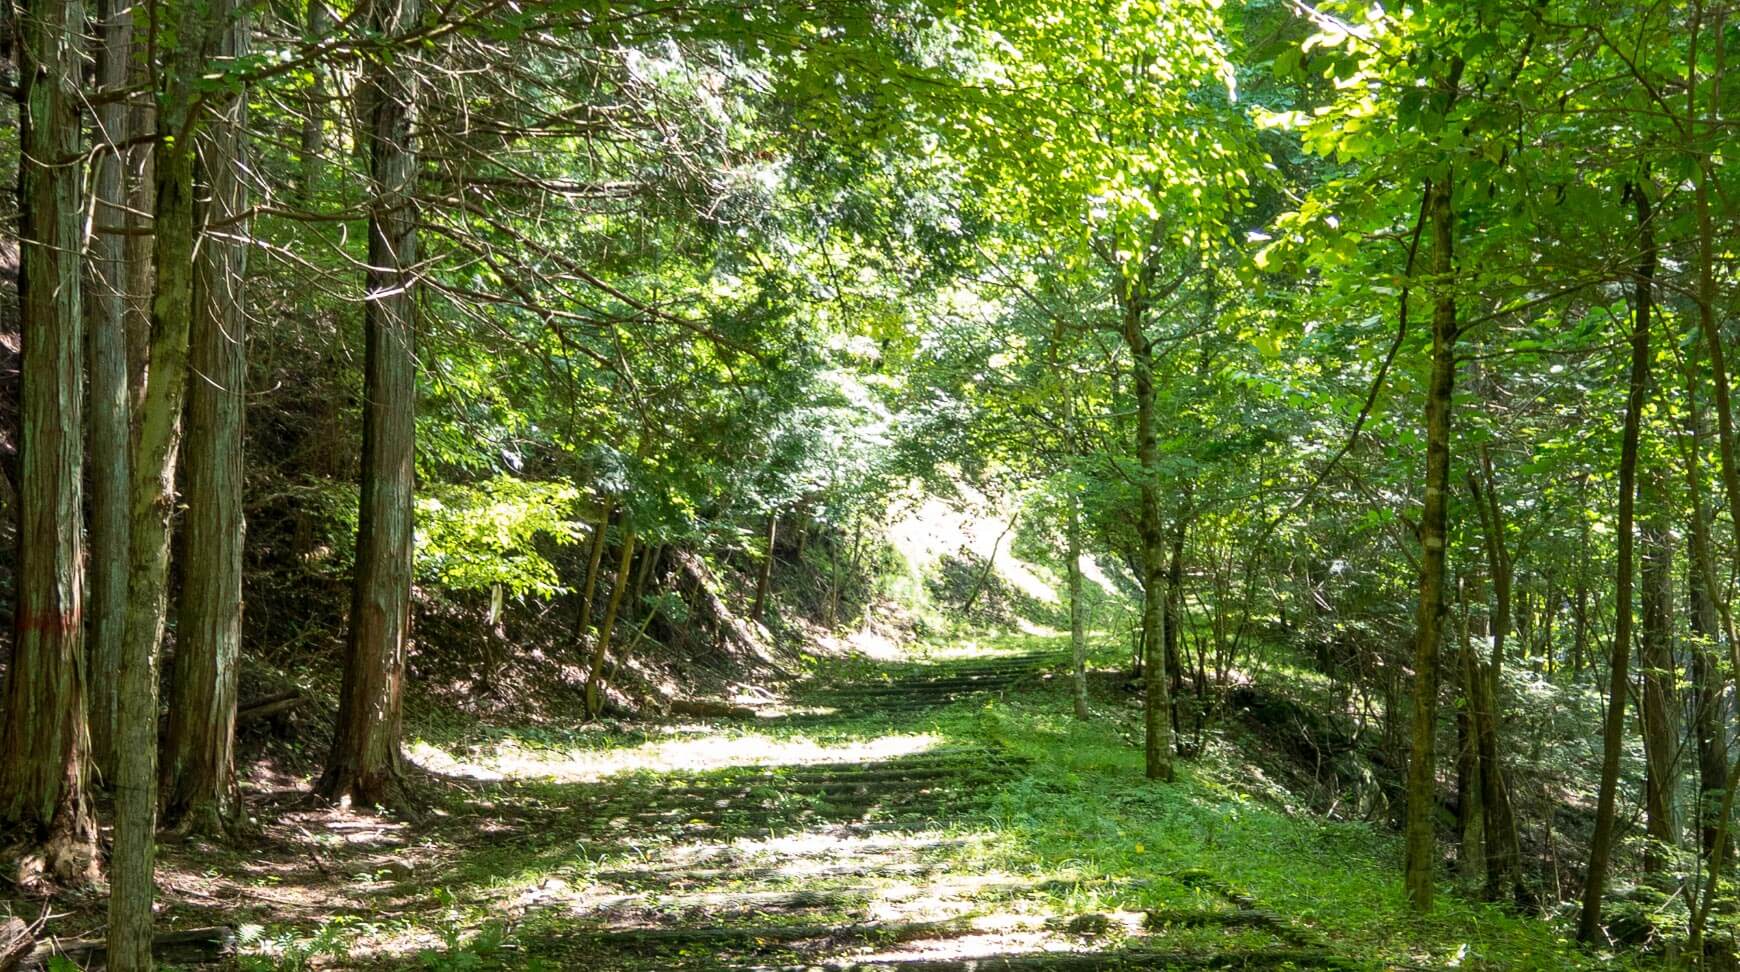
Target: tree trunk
(199,775)
(1708,723)
(1470,803)
(44,746)
(309,162)
(1661,735)
(1157,704)
(765,580)
(1077,632)
(649,558)
(1503,854)
(833,616)
(106,363)
(1422,791)
(140,245)
(583,617)
(1613,731)
(156,443)
(595,672)
(1174,610)
(366,764)
(985,571)
(1712,335)
(1580,607)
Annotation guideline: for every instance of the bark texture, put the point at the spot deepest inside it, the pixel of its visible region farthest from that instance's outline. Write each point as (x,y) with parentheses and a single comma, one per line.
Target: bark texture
(156,446)
(365,764)
(1422,791)
(110,417)
(1077,620)
(199,775)
(1157,704)
(44,740)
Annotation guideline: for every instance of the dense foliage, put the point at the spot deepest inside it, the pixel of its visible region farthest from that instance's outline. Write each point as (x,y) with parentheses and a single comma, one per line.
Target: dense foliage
(1386,342)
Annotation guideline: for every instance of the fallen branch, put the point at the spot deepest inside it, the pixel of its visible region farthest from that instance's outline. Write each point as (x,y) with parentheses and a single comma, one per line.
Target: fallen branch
(210,941)
(268,706)
(17,939)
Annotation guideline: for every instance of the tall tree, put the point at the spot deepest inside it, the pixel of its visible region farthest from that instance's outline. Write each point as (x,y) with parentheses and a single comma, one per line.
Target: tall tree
(1077,613)
(44,739)
(1618,682)
(365,763)
(185,38)
(1659,701)
(106,313)
(1708,697)
(1420,833)
(199,785)
(1136,296)
(1503,855)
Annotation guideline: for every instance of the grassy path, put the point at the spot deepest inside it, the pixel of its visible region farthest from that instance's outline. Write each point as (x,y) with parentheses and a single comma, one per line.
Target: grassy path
(879,862)
(943,814)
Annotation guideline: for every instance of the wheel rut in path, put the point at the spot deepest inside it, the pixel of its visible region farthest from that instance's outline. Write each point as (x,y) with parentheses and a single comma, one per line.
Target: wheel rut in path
(877,866)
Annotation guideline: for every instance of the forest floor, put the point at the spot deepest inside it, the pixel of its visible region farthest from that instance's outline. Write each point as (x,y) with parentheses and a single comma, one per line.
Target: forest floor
(941,813)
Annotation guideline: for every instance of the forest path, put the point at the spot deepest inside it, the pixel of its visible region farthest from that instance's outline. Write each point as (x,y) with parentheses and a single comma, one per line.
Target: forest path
(893,859)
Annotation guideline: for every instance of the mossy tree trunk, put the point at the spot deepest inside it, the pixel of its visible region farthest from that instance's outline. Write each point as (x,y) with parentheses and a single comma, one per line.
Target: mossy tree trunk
(595,670)
(183,36)
(1422,794)
(1157,703)
(1077,615)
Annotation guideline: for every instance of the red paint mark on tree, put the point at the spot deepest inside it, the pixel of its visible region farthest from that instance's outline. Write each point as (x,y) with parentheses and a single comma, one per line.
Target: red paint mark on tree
(62,623)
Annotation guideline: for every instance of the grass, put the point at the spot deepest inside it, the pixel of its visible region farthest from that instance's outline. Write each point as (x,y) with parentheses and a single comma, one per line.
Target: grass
(549,816)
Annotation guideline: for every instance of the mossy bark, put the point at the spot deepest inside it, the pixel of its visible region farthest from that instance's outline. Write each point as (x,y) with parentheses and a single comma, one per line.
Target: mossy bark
(1157,706)
(1420,862)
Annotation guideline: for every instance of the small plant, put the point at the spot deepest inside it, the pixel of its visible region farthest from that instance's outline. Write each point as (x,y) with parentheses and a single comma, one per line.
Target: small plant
(289,950)
(461,951)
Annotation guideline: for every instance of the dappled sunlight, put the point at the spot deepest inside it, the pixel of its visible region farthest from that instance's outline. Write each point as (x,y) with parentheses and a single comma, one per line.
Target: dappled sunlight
(1095,575)
(1005,833)
(933,530)
(510,760)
